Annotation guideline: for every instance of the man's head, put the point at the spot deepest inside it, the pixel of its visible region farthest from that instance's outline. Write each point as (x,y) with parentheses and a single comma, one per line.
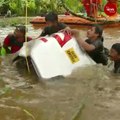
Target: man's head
(95,32)
(51,18)
(115,52)
(20,31)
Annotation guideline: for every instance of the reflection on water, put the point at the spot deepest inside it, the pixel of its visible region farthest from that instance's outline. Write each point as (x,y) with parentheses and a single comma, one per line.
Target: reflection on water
(91,93)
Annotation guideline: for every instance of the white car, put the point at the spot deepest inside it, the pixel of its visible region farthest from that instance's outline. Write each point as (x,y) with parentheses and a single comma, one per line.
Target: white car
(58,54)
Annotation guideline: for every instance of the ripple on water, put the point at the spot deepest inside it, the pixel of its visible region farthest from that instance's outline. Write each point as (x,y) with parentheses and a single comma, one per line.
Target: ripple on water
(59,98)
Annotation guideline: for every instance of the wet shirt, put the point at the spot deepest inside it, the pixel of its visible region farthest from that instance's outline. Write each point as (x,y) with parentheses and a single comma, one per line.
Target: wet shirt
(117,67)
(98,54)
(52,29)
(10,41)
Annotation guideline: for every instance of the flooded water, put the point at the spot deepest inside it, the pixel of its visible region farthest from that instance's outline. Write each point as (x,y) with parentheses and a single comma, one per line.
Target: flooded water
(91,93)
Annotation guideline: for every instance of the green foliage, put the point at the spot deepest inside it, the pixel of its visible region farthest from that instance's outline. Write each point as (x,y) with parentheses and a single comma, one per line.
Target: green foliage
(118,7)
(104,2)
(45,6)
(40,7)
(2,51)
(35,7)
(3,2)
(31,7)
(74,5)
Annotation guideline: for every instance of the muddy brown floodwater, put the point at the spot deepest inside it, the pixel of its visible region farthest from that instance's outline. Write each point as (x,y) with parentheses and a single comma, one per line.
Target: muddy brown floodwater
(91,93)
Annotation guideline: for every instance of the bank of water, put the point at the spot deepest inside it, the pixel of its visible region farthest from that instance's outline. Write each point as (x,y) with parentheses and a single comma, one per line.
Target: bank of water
(91,93)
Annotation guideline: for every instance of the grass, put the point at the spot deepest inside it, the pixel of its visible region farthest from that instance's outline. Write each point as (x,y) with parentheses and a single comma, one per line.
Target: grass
(13,21)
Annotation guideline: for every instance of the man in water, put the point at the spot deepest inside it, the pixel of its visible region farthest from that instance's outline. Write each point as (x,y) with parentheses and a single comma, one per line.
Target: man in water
(93,45)
(115,56)
(14,41)
(53,25)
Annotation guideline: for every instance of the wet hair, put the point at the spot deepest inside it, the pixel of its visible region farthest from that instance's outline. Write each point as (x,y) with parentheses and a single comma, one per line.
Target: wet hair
(21,28)
(116,47)
(99,31)
(52,17)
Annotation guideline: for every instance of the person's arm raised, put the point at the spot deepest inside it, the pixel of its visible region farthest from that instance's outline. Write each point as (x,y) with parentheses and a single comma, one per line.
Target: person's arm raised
(70,31)
(85,45)
(82,43)
(88,47)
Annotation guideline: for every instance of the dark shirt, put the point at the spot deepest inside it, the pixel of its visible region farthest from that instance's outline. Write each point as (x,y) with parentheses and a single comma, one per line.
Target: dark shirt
(117,67)
(98,54)
(53,29)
